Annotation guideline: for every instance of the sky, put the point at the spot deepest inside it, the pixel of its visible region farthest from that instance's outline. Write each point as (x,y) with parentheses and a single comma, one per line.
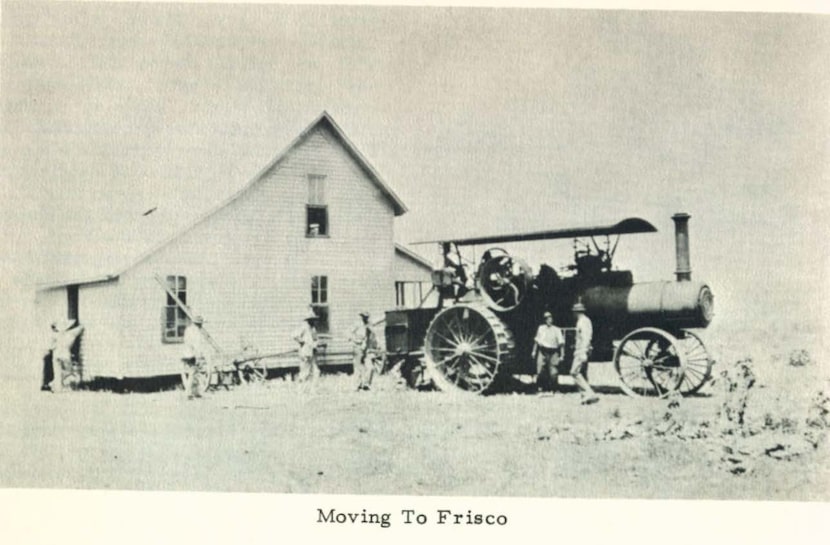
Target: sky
(483,121)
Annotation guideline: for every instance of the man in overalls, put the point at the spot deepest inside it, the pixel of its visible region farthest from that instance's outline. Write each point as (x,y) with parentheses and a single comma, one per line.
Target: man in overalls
(194,357)
(364,347)
(306,337)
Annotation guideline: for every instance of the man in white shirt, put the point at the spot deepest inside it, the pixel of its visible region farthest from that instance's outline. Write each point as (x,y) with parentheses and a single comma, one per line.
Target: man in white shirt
(62,353)
(547,351)
(194,357)
(582,349)
(306,337)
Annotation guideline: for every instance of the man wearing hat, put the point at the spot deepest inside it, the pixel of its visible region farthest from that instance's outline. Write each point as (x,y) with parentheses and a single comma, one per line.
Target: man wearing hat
(547,351)
(582,348)
(65,337)
(193,356)
(48,364)
(364,347)
(306,337)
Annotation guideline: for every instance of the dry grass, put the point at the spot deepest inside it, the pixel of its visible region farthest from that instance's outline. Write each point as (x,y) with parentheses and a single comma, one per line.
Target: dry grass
(736,440)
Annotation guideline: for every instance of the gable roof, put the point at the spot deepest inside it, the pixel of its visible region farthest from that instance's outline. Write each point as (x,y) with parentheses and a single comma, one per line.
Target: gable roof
(419,260)
(323,120)
(397,204)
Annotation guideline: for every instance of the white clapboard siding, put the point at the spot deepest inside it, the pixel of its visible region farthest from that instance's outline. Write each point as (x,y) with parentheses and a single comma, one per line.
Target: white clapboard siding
(99,313)
(100,343)
(249,264)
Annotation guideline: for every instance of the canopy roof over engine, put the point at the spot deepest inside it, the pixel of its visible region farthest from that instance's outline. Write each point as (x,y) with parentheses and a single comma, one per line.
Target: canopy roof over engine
(624,227)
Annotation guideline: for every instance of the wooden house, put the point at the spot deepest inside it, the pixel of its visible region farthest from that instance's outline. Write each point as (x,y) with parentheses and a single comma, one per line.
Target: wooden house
(313,229)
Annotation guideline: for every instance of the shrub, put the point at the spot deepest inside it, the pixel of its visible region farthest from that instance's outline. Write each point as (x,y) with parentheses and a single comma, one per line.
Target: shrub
(799,358)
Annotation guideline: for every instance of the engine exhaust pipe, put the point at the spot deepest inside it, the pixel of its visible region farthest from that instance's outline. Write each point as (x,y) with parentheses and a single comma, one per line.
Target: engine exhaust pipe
(681,243)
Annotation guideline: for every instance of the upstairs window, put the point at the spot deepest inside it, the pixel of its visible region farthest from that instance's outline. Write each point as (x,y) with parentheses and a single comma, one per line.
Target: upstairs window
(174,320)
(317,214)
(320,302)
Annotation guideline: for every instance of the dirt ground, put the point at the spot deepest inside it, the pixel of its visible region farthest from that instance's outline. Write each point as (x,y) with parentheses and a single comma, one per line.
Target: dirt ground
(275,438)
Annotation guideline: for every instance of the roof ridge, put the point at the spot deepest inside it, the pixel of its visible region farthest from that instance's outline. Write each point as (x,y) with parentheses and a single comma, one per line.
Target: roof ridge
(397,204)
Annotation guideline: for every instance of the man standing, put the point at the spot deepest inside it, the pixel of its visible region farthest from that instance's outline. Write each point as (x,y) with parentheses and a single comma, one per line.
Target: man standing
(306,337)
(547,351)
(582,349)
(62,354)
(364,346)
(48,363)
(194,357)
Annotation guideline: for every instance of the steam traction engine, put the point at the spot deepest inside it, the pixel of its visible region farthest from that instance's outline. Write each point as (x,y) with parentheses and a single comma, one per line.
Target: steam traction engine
(484,325)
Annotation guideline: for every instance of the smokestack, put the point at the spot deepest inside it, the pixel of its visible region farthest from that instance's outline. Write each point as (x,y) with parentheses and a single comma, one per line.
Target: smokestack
(681,243)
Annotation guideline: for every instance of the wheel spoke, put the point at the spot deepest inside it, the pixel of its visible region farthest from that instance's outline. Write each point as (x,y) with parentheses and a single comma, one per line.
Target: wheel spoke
(443,362)
(698,363)
(632,370)
(466,324)
(696,372)
(668,355)
(659,383)
(475,342)
(637,360)
(663,378)
(687,380)
(457,377)
(663,353)
(485,356)
(449,342)
(457,337)
(691,383)
(485,348)
(642,350)
(633,376)
(635,356)
(698,349)
(483,366)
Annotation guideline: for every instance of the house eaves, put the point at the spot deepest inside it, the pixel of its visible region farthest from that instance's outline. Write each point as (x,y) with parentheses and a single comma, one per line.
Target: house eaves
(76,282)
(419,260)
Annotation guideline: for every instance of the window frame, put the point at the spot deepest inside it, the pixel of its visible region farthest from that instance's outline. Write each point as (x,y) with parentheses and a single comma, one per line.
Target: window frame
(180,319)
(320,288)
(402,289)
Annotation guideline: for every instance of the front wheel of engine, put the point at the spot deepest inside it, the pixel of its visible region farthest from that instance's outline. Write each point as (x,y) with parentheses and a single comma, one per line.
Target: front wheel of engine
(650,362)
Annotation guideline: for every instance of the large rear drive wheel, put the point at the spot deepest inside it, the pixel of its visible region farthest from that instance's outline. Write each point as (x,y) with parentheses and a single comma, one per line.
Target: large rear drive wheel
(465,346)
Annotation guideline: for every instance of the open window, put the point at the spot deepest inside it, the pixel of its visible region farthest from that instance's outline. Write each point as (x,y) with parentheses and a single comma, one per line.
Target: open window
(317,213)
